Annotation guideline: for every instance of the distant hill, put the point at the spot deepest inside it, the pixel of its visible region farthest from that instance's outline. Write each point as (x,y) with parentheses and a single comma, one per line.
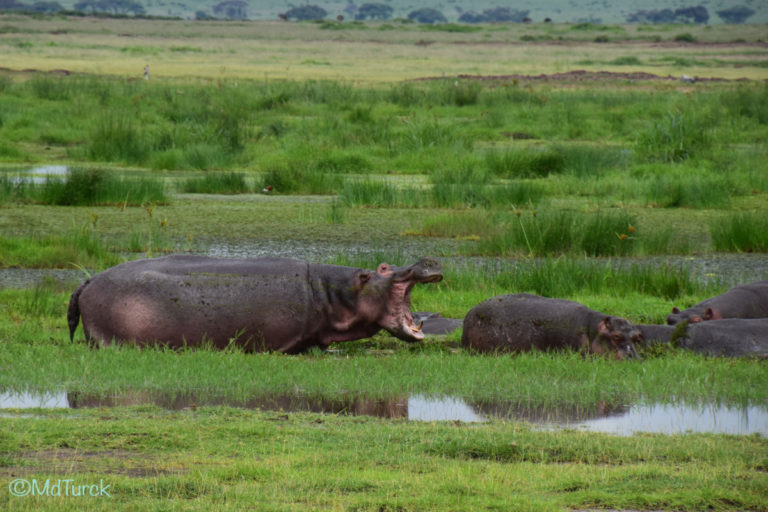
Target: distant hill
(559,11)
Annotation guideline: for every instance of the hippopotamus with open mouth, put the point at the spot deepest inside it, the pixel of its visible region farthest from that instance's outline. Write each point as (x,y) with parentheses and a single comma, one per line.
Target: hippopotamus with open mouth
(258,304)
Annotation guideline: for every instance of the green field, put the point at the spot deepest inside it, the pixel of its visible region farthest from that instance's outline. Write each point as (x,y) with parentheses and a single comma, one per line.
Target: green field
(564,160)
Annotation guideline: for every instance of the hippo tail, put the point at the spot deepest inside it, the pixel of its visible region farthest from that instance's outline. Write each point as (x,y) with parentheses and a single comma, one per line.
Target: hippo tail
(73,312)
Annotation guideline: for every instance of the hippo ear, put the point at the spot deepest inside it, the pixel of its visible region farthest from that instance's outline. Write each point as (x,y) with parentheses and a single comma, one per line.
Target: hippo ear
(363,277)
(384,270)
(675,310)
(605,326)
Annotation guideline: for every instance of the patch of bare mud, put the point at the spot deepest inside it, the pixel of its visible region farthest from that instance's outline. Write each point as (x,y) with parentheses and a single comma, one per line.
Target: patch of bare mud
(579,75)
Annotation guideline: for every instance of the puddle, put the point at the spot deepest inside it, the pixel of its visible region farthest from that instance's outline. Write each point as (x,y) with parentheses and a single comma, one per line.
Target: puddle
(619,420)
(39,175)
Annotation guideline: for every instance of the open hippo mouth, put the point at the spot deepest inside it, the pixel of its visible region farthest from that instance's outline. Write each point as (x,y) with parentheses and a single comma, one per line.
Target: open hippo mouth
(400,320)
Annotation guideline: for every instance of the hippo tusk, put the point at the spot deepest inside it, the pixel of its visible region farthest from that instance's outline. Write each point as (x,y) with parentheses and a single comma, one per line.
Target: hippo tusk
(418,327)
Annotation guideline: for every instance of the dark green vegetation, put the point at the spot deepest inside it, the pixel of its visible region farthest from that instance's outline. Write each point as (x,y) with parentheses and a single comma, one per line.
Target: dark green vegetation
(533,171)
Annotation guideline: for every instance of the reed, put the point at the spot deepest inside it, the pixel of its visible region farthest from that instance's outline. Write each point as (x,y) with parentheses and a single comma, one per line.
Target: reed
(93,186)
(740,232)
(216,183)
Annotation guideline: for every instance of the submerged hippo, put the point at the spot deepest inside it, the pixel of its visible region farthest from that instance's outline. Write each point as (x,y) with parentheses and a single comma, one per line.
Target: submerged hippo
(258,304)
(731,337)
(522,322)
(435,323)
(744,301)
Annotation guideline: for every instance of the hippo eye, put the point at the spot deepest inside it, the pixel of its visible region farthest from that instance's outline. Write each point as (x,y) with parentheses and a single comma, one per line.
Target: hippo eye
(617,338)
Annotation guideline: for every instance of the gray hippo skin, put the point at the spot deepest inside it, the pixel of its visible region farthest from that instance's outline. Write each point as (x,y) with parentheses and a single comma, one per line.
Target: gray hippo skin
(653,333)
(731,337)
(258,304)
(744,301)
(522,322)
(435,323)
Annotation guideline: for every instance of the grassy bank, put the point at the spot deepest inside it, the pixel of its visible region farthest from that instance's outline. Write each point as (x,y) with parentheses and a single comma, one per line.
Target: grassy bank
(230,458)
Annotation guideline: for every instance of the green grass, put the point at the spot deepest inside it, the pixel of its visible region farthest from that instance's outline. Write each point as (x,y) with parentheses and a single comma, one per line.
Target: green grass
(78,248)
(221,457)
(740,232)
(216,183)
(84,187)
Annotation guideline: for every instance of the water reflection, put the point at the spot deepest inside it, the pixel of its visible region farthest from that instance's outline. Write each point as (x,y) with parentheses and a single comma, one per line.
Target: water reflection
(39,175)
(603,417)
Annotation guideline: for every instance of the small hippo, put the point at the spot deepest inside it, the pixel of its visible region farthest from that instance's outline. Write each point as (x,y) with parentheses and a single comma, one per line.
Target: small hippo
(522,322)
(435,323)
(258,304)
(730,337)
(744,301)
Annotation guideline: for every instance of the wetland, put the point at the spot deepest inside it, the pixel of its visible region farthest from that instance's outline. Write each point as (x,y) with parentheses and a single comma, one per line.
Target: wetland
(629,191)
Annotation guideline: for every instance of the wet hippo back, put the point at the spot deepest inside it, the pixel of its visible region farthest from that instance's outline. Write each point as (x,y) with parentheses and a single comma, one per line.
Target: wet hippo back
(743,301)
(733,337)
(183,299)
(522,322)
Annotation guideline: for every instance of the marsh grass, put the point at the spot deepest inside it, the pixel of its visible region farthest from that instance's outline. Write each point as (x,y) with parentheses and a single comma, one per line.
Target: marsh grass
(678,136)
(380,193)
(216,183)
(79,247)
(94,186)
(674,190)
(294,179)
(740,232)
(561,277)
(552,232)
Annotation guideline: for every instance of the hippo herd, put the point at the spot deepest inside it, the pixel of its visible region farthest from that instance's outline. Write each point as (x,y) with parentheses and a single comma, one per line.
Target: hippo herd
(288,305)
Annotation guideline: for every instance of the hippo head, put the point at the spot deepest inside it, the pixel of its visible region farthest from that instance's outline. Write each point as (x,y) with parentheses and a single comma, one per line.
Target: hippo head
(678,316)
(617,337)
(395,285)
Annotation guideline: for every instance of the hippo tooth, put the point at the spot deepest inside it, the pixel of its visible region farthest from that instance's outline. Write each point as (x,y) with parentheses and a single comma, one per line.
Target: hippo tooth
(418,327)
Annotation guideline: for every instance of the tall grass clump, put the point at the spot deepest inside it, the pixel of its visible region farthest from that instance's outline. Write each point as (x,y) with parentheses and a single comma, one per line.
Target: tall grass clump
(49,89)
(292,178)
(118,138)
(15,189)
(525,163)
(577,159)
(605,233)
(216,183)
(748,102)
(82,187)
(378,193)
(673,190)
(516,193)
(462,186)
(460,92)
(568,277)
(608,233)
(676,137)
(740,232)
